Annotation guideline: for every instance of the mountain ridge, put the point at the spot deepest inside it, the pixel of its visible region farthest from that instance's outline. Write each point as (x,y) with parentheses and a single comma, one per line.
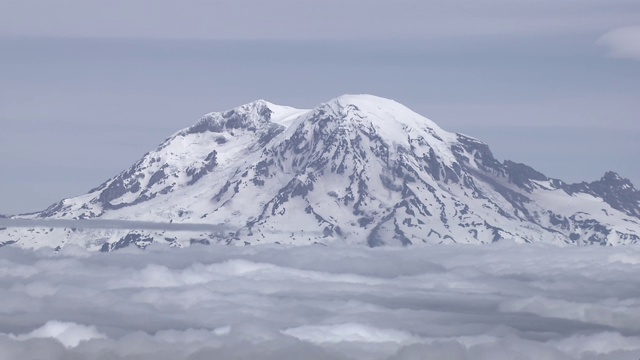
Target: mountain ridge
(357,169)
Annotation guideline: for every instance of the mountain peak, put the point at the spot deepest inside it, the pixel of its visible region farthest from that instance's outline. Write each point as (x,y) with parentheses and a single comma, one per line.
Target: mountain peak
(262,105)
(254,116)
(356,99)
(614,181)
(359,168)
(371,104)
(386,116)
(615,190)
(614,177)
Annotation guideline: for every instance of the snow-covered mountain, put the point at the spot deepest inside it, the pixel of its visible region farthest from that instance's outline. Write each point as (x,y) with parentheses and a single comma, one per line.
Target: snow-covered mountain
(358,169)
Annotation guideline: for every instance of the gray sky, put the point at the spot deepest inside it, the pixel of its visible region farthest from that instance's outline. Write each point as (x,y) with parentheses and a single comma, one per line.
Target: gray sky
(87,87)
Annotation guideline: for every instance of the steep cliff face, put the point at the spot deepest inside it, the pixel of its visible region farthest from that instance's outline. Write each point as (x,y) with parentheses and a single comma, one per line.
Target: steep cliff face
(357,169)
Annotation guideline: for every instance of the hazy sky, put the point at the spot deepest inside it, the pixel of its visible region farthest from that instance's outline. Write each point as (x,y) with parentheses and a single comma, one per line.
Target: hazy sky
(87,86)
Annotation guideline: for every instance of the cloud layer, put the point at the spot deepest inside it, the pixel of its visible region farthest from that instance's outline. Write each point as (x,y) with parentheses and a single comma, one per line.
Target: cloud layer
(111,224)
(622,42)
(457,302)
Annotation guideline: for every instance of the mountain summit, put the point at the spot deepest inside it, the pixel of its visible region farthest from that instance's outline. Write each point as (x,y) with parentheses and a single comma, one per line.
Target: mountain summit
(358,169)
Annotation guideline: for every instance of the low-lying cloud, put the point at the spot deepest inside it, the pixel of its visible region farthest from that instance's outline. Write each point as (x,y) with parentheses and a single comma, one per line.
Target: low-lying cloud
(110,224)
(68,334)
(316,302)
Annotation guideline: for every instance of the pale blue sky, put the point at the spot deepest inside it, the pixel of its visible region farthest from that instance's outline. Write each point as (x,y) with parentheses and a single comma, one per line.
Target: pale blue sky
(87,87)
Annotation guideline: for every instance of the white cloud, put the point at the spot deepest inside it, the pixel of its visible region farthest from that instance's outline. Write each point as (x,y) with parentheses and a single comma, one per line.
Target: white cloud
(67,333)
(351,332)
(626,258)
(622,42)
(601,343)
(624,315)
(271,302)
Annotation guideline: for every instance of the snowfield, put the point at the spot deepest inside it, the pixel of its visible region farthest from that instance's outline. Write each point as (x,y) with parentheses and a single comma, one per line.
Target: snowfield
(499,301)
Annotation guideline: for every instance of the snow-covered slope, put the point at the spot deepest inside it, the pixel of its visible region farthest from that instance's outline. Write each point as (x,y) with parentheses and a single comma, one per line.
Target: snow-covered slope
(357,169)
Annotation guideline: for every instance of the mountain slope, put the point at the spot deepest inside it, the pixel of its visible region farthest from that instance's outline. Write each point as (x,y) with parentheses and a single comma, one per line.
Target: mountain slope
(357,169)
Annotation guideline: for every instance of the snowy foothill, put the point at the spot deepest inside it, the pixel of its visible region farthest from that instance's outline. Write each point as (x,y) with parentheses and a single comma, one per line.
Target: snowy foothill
(500,301)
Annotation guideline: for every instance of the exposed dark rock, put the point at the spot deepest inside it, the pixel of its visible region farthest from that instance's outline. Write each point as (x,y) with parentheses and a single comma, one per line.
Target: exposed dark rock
(139,240)
(272,131)
(9,242)
(135,187)
(156,177)
(521,174)
(483,156)
(615,190)
(234,119)
(199,241)
(496,231)
(210,163)
(51,210)
(399,234)
(115,190)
